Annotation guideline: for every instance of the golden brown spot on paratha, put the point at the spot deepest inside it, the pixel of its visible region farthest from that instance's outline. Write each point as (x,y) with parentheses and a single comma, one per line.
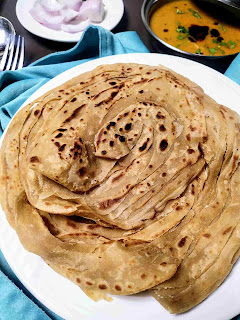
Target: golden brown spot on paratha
(71,224)
(74,114)
(82,171)
(34,159)
(102,287)
(162,128)
(192,128)
(227,230)
(62,147)
(163,145)
(144,145)
(128,126)
(190,151)
(118,288)
(118,177)
(93,226)
(182,242)
(235,160)
(192,191)
(205,139)
(135,242)
(207,235)
(59,135)
(109,203)
(160,116)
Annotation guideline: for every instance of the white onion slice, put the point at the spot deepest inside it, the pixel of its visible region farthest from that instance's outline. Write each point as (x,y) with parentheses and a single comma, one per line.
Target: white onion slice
(45,18)
(74,28)
(51,5)
(68,14)
(92,9)
(71,4)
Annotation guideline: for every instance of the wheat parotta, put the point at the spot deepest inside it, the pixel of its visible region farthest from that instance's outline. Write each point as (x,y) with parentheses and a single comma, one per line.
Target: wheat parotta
(126,179)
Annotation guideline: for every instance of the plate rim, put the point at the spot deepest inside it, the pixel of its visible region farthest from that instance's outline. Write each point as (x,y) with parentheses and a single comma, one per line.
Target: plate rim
(45,87)
(61,39)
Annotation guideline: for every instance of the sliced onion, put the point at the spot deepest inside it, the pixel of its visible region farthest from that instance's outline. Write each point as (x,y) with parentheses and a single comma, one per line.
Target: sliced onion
(92,9)
(39,13)
(74,28)
(51,5)
(71,4)
(68,14)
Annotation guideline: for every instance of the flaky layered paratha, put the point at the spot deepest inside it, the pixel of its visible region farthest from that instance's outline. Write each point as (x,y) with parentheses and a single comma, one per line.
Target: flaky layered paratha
(127,179)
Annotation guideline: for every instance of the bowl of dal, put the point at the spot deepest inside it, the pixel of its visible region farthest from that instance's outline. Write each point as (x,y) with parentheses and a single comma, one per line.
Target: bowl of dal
(197,28)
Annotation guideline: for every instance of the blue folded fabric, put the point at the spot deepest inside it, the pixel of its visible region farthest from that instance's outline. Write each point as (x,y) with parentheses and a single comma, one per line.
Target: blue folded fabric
(16,303)
(233,72)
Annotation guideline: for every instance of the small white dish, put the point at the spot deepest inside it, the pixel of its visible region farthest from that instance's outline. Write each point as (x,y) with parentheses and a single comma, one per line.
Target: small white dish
(114,10)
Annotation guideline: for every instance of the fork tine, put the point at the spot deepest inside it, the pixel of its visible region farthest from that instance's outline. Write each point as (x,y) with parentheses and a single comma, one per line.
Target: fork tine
(11,53)
(4,57)
(16,55)
(21,59)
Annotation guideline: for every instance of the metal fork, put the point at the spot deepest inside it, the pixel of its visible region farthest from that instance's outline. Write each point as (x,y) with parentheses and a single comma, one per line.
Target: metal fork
(13,60)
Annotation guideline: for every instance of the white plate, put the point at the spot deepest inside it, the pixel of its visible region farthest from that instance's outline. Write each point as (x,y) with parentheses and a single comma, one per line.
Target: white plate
(65,298)
(114,12)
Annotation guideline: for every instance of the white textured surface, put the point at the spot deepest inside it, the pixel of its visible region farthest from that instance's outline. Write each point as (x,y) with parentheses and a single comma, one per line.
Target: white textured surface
(114,10)
(65,298)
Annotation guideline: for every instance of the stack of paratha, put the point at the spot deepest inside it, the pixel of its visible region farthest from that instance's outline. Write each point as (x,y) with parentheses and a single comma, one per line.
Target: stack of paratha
(126,179)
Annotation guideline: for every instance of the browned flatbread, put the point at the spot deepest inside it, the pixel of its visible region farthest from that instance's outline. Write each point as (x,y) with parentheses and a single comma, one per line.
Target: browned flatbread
(125,179)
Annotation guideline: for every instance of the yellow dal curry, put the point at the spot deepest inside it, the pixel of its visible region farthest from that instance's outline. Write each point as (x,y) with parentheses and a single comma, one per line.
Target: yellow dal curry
(184,25)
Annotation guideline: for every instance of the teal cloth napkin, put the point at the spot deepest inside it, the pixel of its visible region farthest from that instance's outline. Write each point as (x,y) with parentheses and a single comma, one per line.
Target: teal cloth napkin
(233,72)
(16,303)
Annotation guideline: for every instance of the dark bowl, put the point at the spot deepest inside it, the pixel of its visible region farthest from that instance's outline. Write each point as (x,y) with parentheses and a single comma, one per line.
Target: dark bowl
(232,6)
(149,6)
